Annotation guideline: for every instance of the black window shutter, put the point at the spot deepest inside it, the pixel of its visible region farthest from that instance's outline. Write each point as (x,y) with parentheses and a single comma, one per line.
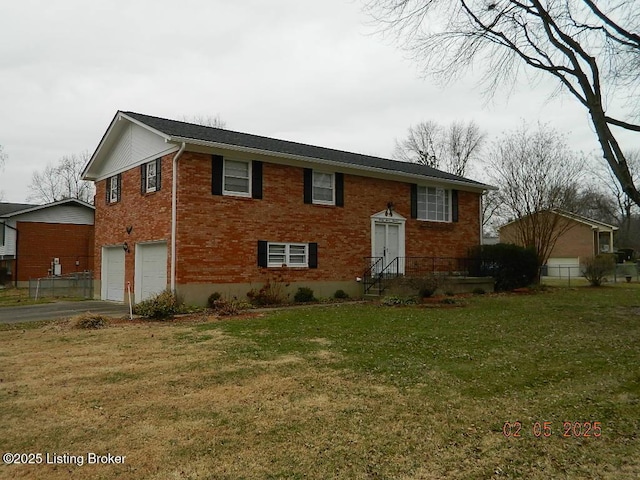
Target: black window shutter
(119,187)
(313,255)
(339,189)
(216,174)
(454,205)
(158,174)
(414,200)
(262,253)
(108,190)
(308,185)
(143,178)
(256,179)
(1,234)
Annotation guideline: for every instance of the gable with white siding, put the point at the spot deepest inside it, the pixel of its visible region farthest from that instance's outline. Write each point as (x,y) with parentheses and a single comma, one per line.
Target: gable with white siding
(132,146)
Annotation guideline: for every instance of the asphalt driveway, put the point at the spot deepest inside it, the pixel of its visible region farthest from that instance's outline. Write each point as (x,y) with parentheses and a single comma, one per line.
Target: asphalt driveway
(59,310)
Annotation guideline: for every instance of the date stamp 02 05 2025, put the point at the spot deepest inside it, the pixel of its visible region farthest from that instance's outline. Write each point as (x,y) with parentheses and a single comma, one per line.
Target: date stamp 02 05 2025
(546,429)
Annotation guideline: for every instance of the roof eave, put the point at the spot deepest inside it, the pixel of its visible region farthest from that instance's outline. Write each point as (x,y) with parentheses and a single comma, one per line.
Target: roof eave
(48,205)
(239,148)
(97,155)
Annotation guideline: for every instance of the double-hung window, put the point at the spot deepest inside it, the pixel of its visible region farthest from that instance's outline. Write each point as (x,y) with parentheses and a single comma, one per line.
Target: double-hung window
(113,189)
(237,178)
(323,188)
(287,254)
(151,177)
(434,204)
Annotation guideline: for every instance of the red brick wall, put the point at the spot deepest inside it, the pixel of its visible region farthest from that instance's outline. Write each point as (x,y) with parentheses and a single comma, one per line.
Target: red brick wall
(40,243)
(148,215)
(217,235)
(577,240)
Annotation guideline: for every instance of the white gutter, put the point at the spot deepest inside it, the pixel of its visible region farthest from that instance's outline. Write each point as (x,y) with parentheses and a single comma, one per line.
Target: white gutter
(174,219)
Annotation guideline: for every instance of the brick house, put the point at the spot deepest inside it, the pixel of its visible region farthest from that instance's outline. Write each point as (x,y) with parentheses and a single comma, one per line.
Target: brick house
(200,209)
(578,238)
(38,240)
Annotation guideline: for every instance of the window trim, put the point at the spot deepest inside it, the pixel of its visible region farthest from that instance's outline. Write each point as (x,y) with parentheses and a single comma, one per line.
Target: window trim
(449,204)
(333,188)
(147,177)
(248,193)
(112,181)
(287,255)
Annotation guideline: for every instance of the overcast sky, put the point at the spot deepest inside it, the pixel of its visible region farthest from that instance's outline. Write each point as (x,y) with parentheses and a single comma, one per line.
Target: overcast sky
(307,71)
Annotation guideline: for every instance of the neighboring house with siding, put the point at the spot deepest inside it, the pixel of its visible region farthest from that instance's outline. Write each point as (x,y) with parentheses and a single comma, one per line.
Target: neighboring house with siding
(200,209)
(34,238)
(578,238)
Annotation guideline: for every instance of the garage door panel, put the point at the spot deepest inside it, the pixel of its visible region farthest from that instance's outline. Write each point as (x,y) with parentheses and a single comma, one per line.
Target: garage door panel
(563,267)
(113,269)
(151,270)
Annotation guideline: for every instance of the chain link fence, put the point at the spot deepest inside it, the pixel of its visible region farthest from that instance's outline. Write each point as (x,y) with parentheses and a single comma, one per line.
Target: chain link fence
(77,285)
(567,273)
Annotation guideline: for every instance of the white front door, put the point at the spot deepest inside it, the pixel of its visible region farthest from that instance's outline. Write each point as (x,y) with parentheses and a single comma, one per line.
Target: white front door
(388,244)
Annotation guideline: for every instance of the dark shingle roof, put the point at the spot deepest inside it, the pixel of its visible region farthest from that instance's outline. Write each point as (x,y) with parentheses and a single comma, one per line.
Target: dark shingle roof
(174,128)
(8,208)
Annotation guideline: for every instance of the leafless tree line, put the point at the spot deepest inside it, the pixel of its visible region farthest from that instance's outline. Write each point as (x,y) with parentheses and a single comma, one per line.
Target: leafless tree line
(592,51)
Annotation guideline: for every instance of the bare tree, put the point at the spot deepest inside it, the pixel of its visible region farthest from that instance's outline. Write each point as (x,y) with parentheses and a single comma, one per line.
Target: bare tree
(595,203)
(625,205)
(62,180)
(592,51)
(626,211)
(206,121)
(537,174)
(448,148)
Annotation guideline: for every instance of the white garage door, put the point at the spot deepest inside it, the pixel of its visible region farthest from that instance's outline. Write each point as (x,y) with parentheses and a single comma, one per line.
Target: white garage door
(112,274)
(151,269)
(563,267)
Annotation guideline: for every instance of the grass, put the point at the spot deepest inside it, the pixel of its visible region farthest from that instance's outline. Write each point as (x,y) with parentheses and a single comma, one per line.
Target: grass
(343,391)
(15,297)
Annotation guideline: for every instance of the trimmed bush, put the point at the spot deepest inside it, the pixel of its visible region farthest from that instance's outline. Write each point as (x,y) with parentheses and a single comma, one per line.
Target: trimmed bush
(215,296)
(426,286)
(340,294)
(396,300)
(271,293)
(511,266)
(595,269)
(161,306)
(224,307)
(304,295)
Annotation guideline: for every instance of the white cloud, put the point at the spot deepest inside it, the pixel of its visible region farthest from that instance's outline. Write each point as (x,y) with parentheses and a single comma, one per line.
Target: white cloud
(302,71)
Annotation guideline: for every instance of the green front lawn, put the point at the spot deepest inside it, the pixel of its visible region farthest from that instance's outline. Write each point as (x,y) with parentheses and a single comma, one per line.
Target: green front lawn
(343,391)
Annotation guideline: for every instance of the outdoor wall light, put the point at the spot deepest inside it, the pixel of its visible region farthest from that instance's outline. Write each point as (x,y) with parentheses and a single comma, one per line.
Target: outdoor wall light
(125,247)
(389,211)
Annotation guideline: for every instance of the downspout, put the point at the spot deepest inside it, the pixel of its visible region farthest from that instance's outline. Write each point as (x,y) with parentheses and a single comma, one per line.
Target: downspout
(481,216)
(15,256)
(174,219)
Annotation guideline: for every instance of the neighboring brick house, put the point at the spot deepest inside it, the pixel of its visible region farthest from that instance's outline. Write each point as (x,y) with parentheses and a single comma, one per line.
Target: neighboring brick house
(38,240)
(240,209)
(578,238)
